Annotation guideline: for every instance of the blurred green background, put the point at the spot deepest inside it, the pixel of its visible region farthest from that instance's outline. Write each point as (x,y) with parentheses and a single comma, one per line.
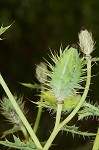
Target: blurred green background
(40,24)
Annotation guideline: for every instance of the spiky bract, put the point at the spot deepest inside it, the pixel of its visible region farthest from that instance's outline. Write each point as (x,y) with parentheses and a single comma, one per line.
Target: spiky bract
(49,101)
(65,75)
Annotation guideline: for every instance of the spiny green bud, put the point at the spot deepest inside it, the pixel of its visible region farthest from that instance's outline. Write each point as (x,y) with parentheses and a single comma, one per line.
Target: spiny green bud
(86,42)
(65,76)
(9,112)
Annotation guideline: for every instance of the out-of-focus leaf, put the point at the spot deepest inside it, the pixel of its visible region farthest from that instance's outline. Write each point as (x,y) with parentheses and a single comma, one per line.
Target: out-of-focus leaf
(31,86)
(95,59)
(3,29)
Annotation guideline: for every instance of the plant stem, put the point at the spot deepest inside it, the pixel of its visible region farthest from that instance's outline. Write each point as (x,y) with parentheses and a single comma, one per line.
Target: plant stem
(38,118)
(56,129)
(73,113)
(96,142)
(24,131)
(20,113)
(58,115)
(39,113)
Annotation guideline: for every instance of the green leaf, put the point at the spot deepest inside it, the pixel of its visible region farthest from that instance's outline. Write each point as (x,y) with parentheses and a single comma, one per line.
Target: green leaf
(31,86)
(3,29)
(74,130)
(88,110)
(19,144)
(10,131)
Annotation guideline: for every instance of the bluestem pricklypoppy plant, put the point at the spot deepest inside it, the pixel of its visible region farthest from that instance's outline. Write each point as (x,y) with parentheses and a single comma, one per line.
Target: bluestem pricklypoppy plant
(59,88)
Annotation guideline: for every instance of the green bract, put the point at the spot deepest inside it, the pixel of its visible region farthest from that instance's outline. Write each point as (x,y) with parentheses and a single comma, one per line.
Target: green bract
(65,75)
(49,101)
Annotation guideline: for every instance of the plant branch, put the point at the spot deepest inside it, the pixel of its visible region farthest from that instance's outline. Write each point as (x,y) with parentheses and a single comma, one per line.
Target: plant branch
(38,118)
(24,131)
(20,113)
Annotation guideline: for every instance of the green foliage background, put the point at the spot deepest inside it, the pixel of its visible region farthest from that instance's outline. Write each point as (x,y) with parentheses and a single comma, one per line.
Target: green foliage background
(40,24)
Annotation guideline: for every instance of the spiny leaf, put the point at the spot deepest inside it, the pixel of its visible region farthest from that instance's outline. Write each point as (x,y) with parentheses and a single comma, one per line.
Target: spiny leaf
(88,110)
(19,144)
(65,76)
(74,130)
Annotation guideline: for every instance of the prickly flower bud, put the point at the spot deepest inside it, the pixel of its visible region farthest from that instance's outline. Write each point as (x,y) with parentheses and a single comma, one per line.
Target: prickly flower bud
(65,75)
(86,42)
(9,112)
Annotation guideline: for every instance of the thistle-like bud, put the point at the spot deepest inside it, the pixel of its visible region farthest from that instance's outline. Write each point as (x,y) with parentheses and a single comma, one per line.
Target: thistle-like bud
(86,42)
(9,112)
(65,75)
